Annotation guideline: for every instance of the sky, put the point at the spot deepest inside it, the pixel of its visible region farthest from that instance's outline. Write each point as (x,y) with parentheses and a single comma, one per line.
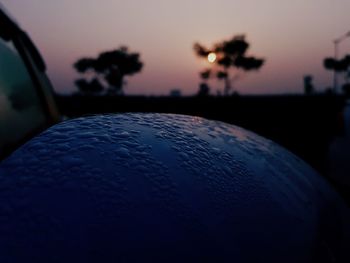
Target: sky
(293,36)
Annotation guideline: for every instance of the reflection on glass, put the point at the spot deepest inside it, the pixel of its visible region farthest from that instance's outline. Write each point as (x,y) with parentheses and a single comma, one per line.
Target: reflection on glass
(20,108)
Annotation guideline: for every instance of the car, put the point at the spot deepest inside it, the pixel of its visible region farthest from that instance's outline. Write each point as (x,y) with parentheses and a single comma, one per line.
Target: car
(149,187)
(26,95)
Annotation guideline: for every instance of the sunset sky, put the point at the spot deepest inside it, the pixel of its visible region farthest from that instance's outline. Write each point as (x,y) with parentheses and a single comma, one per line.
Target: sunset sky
(293,37)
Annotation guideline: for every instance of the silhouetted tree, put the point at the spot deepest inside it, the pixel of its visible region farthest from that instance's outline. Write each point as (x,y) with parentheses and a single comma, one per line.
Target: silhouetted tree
(203,90)
(339,66)
(205,75)
(175,93)
(109,70)
(308,86)
(89,87)
(231,54)
(204,86)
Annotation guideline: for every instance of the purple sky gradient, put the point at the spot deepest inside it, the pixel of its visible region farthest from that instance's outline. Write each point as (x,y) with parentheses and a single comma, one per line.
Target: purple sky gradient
(293,36)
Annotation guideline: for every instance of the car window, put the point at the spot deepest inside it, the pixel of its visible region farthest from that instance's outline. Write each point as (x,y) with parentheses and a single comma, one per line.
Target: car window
(21,110)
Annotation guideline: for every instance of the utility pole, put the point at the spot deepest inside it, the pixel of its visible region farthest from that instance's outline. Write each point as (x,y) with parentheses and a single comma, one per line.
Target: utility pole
(336,43)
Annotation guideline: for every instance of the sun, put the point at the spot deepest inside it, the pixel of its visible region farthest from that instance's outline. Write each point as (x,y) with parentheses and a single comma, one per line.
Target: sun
(211,57)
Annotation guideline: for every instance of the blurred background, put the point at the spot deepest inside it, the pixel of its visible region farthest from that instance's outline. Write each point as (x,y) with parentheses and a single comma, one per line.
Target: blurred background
(293,36)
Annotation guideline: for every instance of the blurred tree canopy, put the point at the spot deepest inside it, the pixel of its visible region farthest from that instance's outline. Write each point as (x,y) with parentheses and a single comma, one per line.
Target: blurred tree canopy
(107,71)
(340,66)
(230,54)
